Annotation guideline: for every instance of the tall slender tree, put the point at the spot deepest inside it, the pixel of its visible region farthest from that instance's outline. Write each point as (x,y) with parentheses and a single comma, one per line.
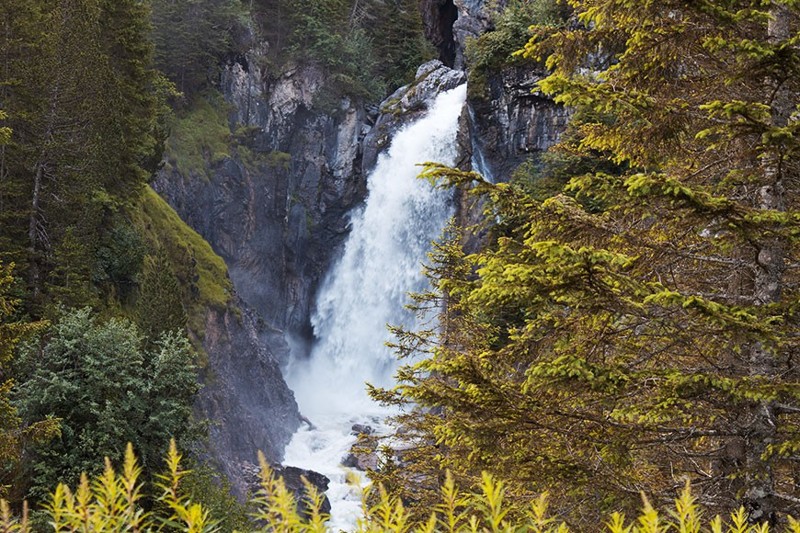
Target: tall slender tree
(191,37)
(80,100)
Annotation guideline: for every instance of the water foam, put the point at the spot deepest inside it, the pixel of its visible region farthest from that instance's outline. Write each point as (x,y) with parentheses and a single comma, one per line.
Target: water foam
(365,291)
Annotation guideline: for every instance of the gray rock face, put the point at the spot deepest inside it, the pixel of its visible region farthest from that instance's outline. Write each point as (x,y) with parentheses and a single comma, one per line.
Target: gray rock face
(510,123)
(473,19)
(275,211)
(438,17)
(513,123)
(244,395)
(407,103)
(450,23)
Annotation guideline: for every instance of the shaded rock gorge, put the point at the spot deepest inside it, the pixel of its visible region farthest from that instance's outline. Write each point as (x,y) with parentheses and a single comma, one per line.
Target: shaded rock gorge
(282,185)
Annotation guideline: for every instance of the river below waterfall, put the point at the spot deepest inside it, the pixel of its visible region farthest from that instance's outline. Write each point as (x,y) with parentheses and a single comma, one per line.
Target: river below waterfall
(366,290)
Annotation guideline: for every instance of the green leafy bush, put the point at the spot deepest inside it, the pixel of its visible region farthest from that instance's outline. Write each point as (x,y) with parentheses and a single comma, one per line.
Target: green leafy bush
(106,389)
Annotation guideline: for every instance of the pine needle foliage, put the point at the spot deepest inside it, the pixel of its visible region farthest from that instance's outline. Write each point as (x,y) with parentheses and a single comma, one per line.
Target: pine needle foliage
(639,327)
(107,387)
(14,435)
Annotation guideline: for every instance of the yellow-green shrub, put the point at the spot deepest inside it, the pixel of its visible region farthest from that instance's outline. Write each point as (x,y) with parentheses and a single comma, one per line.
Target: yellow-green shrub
(111,502)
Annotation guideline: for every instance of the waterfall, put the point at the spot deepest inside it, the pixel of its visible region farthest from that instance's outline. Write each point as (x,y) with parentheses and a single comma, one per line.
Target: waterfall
(479,162)
(366,290)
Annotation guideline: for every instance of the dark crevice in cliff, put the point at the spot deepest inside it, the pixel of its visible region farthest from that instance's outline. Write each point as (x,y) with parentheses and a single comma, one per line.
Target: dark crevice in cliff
(439,17)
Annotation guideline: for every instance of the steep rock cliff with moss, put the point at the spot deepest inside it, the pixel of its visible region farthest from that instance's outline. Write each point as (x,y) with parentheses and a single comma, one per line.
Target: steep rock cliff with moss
(513,122)
(268,181)
(266,166)
(244,397)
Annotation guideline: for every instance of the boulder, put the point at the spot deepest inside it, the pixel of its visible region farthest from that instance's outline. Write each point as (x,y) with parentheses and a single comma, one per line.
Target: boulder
(293,480)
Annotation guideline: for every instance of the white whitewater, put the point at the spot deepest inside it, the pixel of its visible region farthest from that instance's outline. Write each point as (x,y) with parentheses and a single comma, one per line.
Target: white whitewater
(365,291)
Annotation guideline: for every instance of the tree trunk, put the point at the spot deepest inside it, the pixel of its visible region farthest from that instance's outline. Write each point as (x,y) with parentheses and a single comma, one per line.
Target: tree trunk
(761,422)
(34,275)
(33,230)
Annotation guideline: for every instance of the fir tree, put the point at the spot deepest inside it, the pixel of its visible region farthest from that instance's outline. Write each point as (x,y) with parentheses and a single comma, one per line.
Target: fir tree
(79,96)
(107,390)
(159,307)
(14,435)
(640,329)
(191,37)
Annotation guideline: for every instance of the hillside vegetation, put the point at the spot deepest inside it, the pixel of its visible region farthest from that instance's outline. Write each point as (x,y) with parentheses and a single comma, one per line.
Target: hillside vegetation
(627,325)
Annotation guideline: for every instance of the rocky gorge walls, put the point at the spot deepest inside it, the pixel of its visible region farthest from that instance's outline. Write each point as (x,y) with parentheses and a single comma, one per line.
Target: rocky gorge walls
(271,197)
(244,395)
(271,193)
(511,121)
(273,207)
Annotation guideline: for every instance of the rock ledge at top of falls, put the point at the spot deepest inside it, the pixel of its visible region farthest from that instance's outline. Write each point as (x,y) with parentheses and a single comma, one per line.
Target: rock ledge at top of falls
(430,79)
(406,103)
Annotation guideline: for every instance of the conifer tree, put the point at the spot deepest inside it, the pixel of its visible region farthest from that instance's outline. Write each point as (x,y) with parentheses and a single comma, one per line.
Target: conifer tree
(78,86)
(107,389)
(13,434)
(21,45)
(159,307)
(71,279)
(191,37)
(128,133)
(398,40)
(639,329)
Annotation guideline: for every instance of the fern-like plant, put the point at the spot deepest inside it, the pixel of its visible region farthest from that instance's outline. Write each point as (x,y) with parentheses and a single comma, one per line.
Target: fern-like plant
(111,502)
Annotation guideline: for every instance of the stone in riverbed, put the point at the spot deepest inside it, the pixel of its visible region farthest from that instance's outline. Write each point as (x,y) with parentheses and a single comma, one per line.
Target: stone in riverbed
(361,429)
(293,479)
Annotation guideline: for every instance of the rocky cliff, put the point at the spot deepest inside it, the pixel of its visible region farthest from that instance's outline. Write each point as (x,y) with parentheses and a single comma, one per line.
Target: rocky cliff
(274,204)
(406,104)
(275,208)
(512,121)
(244,396)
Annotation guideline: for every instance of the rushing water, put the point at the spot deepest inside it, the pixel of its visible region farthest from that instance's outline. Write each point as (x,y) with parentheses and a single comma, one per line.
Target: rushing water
(365,291)
(479,162)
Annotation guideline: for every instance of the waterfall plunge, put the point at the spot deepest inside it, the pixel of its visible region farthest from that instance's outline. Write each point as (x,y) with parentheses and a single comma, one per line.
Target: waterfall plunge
(365,291)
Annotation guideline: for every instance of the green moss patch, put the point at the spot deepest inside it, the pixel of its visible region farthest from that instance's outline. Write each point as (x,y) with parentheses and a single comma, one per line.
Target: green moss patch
(200,136)
(255,161)
(201,272)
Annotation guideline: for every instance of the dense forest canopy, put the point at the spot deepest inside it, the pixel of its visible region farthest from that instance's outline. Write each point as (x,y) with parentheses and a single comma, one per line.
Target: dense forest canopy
(627,324)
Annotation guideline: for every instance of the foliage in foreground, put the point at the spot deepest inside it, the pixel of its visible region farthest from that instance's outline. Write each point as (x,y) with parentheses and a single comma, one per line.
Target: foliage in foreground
(112,502)
(106,387)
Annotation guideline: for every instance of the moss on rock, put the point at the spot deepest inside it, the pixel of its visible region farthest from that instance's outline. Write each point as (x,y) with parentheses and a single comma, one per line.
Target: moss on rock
(200,137)
(201,272)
